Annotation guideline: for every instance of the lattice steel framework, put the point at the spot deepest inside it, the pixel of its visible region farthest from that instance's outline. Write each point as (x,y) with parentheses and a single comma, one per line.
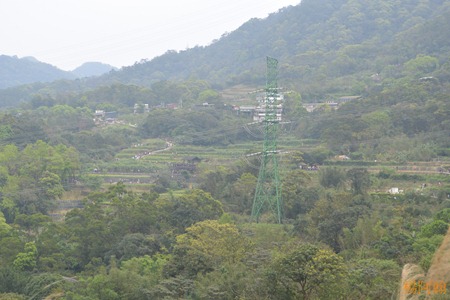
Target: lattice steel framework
(268,187)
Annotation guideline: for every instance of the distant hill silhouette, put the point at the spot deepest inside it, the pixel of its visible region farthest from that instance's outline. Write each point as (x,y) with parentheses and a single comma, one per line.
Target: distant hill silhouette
(16,71)
(89,69)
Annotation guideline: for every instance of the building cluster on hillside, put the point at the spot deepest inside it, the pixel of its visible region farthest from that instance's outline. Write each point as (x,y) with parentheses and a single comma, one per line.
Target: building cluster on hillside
(141,108)
(265,105)
(310,167)
(258,111)
(102,117)
(145,108)
(332,104)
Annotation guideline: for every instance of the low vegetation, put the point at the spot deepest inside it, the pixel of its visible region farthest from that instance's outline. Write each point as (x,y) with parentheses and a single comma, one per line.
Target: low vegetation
(103,197)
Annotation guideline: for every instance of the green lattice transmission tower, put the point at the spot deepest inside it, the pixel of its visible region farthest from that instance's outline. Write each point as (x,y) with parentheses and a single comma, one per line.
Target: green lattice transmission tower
(268,188)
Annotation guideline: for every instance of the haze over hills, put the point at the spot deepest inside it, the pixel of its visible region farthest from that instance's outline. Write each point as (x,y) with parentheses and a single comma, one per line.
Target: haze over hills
(16,71)
(339,40)
(389,54)
(89,69)
(325,49)
(164,154)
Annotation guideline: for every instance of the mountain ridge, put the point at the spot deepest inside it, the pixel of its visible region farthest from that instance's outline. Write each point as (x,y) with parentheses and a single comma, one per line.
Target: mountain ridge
(15,71)
(292,35)
(324,47)
(92,68)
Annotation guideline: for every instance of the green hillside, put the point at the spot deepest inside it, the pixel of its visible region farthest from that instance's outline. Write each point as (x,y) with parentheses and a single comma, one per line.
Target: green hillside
(315,40)
(139,184)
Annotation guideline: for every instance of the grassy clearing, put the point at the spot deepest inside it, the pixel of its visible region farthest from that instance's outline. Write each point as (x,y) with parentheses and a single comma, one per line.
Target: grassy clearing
(73,194)
(265,235)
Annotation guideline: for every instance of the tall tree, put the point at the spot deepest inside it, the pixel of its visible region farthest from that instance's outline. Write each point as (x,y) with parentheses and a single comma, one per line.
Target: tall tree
(308,272)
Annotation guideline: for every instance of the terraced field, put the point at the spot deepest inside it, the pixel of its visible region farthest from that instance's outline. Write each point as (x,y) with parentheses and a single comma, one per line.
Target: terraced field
(142,163)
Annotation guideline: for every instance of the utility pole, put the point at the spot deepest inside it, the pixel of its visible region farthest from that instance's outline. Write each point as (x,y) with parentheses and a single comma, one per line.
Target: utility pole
(268,187)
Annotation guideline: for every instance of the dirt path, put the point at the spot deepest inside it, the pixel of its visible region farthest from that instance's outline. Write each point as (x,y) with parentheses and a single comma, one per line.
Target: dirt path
(169,145)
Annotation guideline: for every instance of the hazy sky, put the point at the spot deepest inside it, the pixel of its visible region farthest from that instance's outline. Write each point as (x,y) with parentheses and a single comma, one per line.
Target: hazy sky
(67,33)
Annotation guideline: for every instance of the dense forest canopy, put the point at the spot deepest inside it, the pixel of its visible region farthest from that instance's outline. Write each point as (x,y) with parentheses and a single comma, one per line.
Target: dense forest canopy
(139,184)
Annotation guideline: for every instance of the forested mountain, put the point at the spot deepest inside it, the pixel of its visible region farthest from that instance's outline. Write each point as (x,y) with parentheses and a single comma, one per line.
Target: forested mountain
(320,45)
(139,184)
(314,39)
(391,53)
(16,71)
